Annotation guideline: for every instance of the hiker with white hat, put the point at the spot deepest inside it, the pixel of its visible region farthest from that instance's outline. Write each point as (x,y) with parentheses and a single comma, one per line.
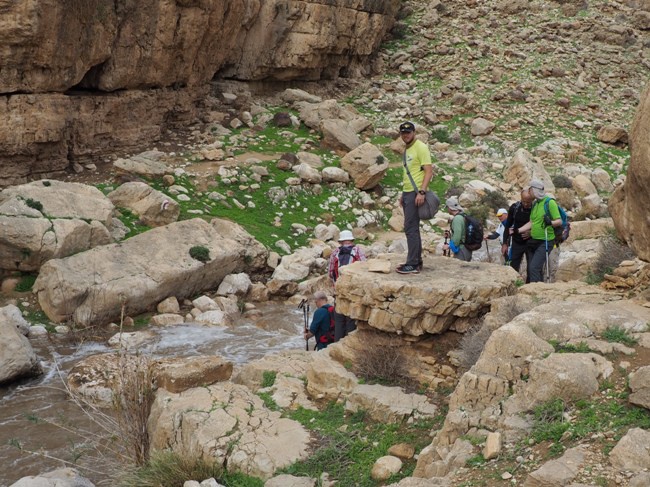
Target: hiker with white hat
(345,254)
(502,215)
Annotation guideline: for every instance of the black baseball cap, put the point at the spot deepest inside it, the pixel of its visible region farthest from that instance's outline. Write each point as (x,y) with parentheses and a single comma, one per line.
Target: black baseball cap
(407,127)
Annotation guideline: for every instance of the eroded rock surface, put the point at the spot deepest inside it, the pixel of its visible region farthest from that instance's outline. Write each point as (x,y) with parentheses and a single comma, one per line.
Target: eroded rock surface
(227,424)
(430,302)
(92,287)
(50,219)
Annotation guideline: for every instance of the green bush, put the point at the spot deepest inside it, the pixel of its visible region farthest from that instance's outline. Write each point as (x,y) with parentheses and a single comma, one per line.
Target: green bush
(611,253)
(37,205)
(200,253)
(25,284)
(562,181)
(494,200)
(441,135)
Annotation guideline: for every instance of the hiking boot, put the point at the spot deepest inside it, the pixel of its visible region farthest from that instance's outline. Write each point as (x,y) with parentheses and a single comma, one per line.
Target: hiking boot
(408,269)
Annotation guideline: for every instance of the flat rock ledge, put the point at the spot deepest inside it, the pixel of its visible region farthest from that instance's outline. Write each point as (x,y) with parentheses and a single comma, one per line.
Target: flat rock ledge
(447,294)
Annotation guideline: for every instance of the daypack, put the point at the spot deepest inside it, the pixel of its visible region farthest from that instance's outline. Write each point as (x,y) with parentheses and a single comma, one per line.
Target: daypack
(345,256)
(328,337)
(473,233)
(561,232)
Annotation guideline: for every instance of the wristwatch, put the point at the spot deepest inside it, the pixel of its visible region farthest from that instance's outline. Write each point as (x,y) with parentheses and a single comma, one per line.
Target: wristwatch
(422,192)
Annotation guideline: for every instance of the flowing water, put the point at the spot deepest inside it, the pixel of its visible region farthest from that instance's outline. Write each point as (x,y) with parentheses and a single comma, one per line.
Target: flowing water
(24,406)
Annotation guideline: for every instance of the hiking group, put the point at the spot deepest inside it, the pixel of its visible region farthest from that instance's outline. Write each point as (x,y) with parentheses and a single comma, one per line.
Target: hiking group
(532,228)
(328,325)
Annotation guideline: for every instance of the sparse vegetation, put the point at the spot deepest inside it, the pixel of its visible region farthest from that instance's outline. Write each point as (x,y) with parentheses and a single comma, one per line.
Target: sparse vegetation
(619,335)
(268,378)
(611,253)
(383,360)
(200,253)
(562,181)
(36,205)
(166,468)
(472,345)
(25,284)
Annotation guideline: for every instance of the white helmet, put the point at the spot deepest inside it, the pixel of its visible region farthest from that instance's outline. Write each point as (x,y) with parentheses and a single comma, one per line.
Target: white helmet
(345,235)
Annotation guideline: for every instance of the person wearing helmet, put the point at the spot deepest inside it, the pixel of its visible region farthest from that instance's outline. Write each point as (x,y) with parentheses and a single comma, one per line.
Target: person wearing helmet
(345,254)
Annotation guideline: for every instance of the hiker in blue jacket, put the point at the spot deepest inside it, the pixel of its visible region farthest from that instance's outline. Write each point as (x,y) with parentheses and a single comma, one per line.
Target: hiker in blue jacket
(321,322)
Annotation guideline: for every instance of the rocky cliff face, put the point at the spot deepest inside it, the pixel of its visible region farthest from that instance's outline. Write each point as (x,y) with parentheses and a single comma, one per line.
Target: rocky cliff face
(58,54)
(630,202)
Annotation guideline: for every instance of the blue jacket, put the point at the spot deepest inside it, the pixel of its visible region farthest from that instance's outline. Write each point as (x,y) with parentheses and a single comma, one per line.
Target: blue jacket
(320,325)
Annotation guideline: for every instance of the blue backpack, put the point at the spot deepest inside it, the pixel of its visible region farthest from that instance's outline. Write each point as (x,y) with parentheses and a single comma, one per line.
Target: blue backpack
(561,232)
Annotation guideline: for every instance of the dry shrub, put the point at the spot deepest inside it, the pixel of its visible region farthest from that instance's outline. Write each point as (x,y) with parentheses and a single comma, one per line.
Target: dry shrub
(133,395)
(383,360)
(612,252)
(472,345)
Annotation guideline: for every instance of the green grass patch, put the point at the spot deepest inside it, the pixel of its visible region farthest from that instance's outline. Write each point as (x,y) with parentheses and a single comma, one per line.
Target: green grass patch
(581,347)
(25,283)
(268,378)
(349,445)
(132,222)
(615,334)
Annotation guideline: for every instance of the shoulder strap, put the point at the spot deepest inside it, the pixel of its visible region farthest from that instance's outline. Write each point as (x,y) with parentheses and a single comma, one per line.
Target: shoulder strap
(408,173)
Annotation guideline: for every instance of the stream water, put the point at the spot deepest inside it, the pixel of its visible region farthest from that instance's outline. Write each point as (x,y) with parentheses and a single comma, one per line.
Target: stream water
(24,406)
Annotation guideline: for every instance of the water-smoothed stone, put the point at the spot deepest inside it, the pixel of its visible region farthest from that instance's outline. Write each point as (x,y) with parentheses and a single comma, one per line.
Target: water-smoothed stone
(433,301)
(229,425)
(51,219)
(62,477)
(92,287)
(17,358)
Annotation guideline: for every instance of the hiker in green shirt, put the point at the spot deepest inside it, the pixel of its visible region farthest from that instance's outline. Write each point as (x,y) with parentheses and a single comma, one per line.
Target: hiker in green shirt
(542,236)
(457,241)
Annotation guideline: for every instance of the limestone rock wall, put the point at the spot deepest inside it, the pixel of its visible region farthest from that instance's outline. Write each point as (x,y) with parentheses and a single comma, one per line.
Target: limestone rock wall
(60,58)
(630,202)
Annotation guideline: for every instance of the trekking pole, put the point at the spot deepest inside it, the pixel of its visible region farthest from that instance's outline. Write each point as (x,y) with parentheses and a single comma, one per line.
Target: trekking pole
(487,249)
(445,252)
(304,306)
(548,271)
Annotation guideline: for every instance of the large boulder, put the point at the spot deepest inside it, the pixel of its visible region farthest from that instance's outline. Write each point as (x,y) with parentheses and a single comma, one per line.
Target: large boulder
(153,207)
(630,202)
(50,219)
(523,168)
(366,165)
(229,425)
(134,276)
(17,358)
(433,301)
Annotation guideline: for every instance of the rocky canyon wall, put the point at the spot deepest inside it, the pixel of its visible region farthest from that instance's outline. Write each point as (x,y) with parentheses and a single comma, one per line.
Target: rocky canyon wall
(79,79)
(630,203)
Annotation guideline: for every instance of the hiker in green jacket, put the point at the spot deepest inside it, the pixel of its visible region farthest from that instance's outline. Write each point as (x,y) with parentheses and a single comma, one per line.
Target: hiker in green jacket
(456,242)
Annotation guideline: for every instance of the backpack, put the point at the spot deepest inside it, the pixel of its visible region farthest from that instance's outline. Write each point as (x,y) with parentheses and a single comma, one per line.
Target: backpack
(473,233)
(561,232)
(328,337)
(346,256)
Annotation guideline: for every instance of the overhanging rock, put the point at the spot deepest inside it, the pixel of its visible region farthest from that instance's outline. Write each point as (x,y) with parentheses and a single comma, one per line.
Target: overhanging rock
(447,295)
